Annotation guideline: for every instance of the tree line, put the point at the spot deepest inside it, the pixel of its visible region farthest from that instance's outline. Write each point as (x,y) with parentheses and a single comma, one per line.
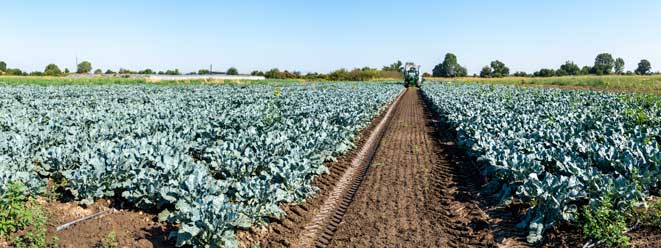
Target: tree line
(604,64)
(359,74)
(85,67)
(390,71)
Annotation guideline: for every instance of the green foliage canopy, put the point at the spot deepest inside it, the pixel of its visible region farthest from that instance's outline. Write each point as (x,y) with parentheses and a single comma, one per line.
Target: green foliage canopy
(84,67)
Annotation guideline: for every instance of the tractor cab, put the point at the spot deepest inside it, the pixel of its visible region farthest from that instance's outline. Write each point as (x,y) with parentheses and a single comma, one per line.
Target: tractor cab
(412,75)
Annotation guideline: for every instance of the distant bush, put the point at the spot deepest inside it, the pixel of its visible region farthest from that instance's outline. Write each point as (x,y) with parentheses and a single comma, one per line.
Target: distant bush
(173,72)
(644,67)
(14,72)
(619,66)
(544,73)
(585,70)
(358,74)
(146,71)
(569,68)
(449,68)
(84,67)
(125,71)
(603,64)
(499,69)
(397,67)
(52,70)
(232,71)
(561,72)
(520,74)
(486,72)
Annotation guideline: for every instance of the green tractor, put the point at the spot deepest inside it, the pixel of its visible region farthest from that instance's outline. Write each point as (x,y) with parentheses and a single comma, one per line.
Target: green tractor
(412,75)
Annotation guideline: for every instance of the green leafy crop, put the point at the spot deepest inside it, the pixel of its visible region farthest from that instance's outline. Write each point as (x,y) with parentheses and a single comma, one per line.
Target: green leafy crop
(556,150)
(22,219)
(212,158)
(605,224)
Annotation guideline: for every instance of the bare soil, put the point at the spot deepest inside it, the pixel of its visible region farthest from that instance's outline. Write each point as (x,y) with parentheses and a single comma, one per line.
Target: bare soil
(414,195)
(131,228)
(285,232)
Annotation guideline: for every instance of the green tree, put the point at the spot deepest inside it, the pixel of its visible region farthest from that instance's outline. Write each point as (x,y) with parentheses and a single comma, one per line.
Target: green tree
(173,72)
(569,68)
(619,66)
(84,67)
(397,66)
(603,64)
(125,71)
(66,71)
(258,73)
(14,72)
(203,72)
(545,73)
(561,72)
(499,69)
(52,70)
(109,72)
(310,76)
(585,70)
(486,72)
(232,71)
(273,74)
(462,72)
(449,67)
(3,66)
(520,74)
(644,67)
(98,71)
(146,71)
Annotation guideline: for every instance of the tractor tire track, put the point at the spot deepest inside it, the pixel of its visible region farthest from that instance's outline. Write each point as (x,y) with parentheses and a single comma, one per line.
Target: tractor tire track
(287,232)
(415,193)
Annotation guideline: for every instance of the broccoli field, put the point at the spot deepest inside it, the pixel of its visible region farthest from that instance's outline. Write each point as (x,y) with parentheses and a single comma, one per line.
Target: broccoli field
(358,164)
(210,158)
(557,150)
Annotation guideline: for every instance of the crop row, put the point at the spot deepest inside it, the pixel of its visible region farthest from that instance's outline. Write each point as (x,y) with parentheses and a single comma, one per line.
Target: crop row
(556,151)
(211,158)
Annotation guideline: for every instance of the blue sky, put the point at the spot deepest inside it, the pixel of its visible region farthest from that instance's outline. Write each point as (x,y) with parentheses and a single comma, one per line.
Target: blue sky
(325,35)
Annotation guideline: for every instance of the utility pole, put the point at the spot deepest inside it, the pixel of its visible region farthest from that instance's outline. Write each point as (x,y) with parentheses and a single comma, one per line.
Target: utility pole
(210,69)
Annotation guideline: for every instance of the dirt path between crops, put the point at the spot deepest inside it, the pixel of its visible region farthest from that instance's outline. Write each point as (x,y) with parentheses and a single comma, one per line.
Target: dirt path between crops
(413,195)
(285,232)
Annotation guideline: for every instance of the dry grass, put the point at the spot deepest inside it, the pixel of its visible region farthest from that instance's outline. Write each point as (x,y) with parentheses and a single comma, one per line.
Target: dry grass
(617,83)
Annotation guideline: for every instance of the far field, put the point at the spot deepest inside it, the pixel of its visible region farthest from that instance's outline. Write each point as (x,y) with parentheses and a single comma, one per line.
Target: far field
(618,83)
